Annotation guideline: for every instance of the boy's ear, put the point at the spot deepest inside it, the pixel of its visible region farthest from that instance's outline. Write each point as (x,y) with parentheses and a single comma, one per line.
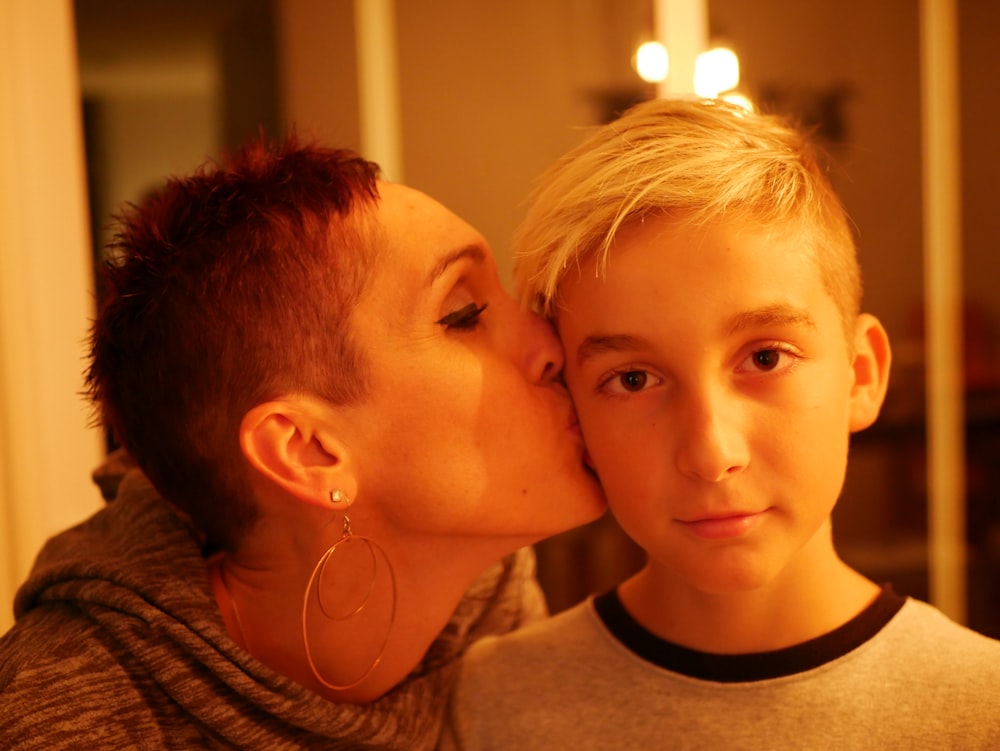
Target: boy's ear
(290,442)
(872,360)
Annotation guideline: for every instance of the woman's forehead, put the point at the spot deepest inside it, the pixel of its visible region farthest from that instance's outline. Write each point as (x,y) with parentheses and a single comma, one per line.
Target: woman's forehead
(419,232)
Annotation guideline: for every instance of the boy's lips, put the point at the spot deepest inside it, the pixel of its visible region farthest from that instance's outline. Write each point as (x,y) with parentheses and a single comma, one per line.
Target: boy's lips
(723,526)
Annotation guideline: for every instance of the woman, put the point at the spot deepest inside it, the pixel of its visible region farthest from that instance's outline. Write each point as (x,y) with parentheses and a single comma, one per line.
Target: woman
(350,421)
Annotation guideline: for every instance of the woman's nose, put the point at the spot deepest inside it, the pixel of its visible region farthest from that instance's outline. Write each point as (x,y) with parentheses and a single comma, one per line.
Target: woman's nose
(542,352)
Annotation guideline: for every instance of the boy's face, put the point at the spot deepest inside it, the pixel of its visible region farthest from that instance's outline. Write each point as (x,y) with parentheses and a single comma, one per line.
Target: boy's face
(716,393)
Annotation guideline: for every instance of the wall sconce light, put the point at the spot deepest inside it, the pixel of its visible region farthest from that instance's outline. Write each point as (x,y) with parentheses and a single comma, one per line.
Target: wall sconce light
(716,71)
(652,62)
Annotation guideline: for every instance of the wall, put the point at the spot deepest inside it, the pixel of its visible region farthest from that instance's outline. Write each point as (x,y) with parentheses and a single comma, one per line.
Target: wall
(980,68)
(492,93)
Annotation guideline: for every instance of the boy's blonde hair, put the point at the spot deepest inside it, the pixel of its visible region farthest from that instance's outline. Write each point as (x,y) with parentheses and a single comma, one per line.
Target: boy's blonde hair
(701,162)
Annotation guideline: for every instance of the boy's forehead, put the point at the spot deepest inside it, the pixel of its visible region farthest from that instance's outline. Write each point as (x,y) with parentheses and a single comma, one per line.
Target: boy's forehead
(666,268)
(686,240)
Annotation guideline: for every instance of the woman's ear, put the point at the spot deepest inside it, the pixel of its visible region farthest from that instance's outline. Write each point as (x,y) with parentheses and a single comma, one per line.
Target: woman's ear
(872,360)
(291,443)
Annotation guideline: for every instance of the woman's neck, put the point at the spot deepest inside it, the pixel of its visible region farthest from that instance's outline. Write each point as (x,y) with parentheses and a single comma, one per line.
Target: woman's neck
(263,612)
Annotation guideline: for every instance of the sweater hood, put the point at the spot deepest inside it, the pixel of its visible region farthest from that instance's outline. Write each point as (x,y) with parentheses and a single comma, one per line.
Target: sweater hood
(136,571)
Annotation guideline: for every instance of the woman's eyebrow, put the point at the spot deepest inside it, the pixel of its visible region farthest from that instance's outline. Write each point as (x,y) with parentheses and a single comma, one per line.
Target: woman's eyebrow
(473,252)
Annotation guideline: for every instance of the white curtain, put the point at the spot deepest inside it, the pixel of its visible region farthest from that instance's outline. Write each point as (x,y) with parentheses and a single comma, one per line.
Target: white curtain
(46,449)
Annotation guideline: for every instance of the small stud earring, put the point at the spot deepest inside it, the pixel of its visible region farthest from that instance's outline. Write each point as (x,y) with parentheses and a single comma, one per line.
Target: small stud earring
(338,496)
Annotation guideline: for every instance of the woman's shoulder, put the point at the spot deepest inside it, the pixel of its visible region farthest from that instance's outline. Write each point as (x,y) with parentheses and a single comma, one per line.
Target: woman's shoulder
(53,645)
(68,686)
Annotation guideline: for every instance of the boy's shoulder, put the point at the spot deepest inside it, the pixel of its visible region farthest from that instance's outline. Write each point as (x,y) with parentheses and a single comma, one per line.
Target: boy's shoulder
(567,633)
(941,641)
(571,645)
(534,680)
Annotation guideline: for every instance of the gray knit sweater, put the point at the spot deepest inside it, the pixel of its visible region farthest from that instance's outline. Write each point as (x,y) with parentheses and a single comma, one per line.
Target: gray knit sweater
(118,644)
(899,676)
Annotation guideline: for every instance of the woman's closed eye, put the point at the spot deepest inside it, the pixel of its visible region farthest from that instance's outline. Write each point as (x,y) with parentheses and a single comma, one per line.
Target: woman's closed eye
(466,317)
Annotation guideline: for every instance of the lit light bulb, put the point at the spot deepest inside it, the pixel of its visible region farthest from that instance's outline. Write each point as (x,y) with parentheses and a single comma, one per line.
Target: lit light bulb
(715,71)
(652,62)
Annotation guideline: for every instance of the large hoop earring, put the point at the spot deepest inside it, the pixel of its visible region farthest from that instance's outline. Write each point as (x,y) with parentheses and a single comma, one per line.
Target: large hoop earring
(316,579)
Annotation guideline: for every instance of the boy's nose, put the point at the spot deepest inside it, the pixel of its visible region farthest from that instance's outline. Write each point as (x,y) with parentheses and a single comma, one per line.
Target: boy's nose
(712,444)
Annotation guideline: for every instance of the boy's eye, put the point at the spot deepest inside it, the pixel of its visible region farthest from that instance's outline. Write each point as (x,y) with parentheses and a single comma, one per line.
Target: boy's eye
(633,380)
(766,359)
(629,381)
(466,317)
(770,360)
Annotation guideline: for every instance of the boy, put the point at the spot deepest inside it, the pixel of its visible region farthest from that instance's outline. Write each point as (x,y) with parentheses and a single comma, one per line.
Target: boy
(703,278)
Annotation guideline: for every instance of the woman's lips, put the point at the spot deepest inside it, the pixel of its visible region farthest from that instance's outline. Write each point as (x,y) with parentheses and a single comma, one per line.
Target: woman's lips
(723,527)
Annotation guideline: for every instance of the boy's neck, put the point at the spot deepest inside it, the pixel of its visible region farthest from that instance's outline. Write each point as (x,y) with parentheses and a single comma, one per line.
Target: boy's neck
(811,597)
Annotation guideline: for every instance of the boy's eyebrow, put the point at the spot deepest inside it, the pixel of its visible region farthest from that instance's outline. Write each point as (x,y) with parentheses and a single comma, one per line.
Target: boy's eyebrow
(597,344)
(772,315)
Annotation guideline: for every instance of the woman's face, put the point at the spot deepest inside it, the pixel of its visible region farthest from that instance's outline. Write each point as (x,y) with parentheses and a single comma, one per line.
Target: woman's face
(465,431)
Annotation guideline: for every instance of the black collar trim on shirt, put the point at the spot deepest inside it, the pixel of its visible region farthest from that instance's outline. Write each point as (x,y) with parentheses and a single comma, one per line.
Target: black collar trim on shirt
(757,666)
